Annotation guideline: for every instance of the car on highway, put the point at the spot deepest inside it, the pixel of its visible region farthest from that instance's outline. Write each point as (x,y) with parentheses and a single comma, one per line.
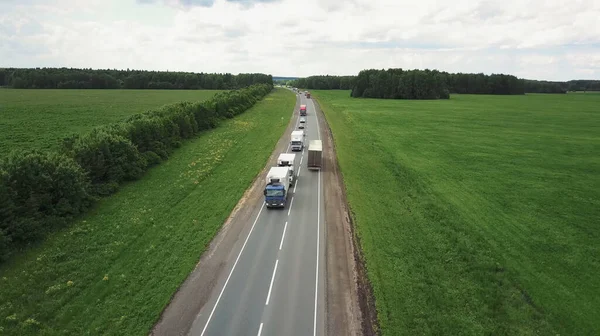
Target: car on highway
(302,120)
(302,126)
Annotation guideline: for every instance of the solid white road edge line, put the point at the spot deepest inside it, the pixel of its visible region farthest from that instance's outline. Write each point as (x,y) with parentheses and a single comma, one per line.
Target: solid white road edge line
(271,286)
(295,125)
(318,246)
(317,117)
(232,269)
(291,202)
(283,236)
(260,329)
(318,230)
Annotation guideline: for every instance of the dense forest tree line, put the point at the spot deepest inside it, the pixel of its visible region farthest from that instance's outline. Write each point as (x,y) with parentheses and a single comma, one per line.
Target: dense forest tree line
(325,82)
(534,86)
(414,84)
(499,84)
(464,83)
(40,191)
(537,86)
(71,78)
(581,85)
(400,84)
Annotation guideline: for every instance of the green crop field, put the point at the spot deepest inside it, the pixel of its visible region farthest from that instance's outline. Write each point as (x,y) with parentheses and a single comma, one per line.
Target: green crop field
(114,270)
(478,215)
(40,118)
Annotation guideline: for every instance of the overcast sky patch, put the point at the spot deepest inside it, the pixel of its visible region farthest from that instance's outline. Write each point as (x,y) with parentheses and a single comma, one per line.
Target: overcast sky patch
(539,39)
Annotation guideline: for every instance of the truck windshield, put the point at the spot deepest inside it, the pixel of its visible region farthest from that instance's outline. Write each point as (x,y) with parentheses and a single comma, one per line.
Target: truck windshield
(296,142)
(274,192)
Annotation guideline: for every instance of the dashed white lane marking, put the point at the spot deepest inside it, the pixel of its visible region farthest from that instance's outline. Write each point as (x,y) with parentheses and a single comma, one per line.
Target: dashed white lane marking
(232,269)
(272,279)
(291,202)
(283,236)
(260,329)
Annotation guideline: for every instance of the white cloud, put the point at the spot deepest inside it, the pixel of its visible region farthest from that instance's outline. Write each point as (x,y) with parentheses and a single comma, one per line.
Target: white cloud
(546,39)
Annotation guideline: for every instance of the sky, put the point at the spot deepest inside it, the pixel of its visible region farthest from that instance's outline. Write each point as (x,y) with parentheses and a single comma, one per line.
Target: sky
(535,39)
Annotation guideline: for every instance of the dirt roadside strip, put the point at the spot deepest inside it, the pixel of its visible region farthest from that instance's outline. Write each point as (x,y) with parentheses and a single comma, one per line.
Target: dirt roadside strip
(344,300)
(350,304)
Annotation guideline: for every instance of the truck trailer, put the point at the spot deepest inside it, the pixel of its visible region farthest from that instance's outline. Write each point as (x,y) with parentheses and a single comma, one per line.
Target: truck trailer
(286,159)
(302,110)
(278,186)
(315,155)
(297,141)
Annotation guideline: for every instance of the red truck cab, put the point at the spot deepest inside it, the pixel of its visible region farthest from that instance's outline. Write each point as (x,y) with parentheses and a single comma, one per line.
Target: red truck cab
(302,110)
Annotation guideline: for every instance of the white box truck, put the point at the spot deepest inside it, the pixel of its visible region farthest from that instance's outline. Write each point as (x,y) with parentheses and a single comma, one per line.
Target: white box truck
(287,160)
(297,141)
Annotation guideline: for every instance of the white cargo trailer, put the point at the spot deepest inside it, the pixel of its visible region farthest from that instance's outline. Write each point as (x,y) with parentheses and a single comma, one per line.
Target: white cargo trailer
(315,155)
(297,140)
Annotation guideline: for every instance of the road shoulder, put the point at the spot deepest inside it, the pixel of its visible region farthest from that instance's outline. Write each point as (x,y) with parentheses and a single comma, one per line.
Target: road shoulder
(350,308)
(179,315)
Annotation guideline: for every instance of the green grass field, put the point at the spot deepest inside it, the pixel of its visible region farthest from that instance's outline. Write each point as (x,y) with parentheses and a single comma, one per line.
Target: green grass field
(115,269)
(40,118)
(478,215)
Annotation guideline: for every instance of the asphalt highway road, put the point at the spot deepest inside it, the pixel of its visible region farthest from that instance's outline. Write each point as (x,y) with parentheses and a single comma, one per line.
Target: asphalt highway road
(274,282)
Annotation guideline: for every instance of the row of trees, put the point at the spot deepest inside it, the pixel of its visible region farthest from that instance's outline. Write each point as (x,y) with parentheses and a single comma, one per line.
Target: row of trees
(71,78)
(400,84)
(460,83)
(414,84)
(534,86)
(581,85)
(42,190)
(499,84)
(325,82)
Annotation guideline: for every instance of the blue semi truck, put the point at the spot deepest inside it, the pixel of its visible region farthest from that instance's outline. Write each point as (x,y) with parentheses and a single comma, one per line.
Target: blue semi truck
(279,180)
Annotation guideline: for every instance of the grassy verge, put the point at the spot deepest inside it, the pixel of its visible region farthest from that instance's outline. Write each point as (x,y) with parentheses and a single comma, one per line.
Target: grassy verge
(37,118)
(476,215)
(114,270)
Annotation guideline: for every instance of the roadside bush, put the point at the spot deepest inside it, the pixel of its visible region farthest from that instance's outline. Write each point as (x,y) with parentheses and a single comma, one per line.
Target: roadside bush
(151,134)
(7,214)
(151,158)
(38,191)
(3,246)
(109,159)
(205,115)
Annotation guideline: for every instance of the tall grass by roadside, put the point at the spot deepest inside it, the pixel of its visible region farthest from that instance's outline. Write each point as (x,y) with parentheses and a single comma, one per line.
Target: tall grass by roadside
(114,269)
(476,215)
